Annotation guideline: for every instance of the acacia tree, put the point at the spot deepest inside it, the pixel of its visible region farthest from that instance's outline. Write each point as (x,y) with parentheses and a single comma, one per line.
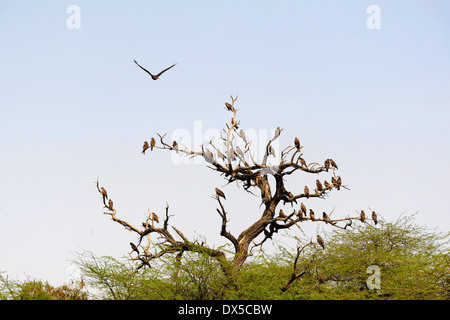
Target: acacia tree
(233,159)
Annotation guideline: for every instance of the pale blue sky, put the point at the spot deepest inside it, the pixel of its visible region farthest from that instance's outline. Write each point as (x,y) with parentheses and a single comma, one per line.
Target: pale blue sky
(74,107)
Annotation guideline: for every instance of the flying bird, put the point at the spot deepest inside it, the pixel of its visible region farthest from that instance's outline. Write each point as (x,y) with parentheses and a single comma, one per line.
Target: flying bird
(133,246)
(320,241)
(311,214)
(297,143)
(219,193)
(374,217)
(154,77)
(307,192)
(319,185)
(145,147)
(363,216)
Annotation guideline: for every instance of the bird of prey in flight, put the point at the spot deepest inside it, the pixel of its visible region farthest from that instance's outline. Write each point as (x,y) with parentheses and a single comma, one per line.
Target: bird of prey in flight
(154,76)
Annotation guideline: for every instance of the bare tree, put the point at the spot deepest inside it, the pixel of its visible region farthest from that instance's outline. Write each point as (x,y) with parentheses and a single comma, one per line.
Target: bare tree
(233,159)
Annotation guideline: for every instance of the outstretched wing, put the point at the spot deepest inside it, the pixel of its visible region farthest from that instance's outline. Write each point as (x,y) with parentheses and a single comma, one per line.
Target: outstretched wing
(164,70)
(142,68)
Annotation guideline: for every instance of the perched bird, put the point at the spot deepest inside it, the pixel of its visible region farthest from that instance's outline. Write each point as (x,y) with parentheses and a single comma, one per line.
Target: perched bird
(110,205)
(297,143)
(145,147)
(327,164)
(219,193)
(303,208)
(281,214)
(209,156)
(311,214)
(307,192)
(299,214)
(271,151)
(325,216)
(154,77)
(175,146)
(133,246)
(333,164)
(240,151)
(302,161)
(277,132)
(319,185)
(220,155)
(362,216)
(155,217)
(327,184)
(320,241)
(374,217)
(242,134)
(152,144)
(333,181)
(104,194)
(229,106)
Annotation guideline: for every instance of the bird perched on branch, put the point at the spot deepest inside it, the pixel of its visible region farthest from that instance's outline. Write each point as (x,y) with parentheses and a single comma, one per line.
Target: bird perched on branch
(363,216)
(319,185)
(271,151)
(145,147)
(281,214)
(104,194)
(154,77)
(297,143)
(219,193)
(303,208)
(175,146)
(327,184)
(133,246)
(374,217)
(325,216)
(302,161)
(320,241)
(277,132)
(311,214)
(152,144)
(333,164)
(307,192)
(327,164)
(229,106)
(110,205)
(155,217)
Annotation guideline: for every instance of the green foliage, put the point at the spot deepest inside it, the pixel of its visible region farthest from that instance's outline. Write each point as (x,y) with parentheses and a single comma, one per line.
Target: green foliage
(414,264)
(38,290)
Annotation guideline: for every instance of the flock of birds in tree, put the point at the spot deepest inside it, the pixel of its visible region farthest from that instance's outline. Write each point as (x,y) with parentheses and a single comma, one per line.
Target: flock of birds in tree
(302,213)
